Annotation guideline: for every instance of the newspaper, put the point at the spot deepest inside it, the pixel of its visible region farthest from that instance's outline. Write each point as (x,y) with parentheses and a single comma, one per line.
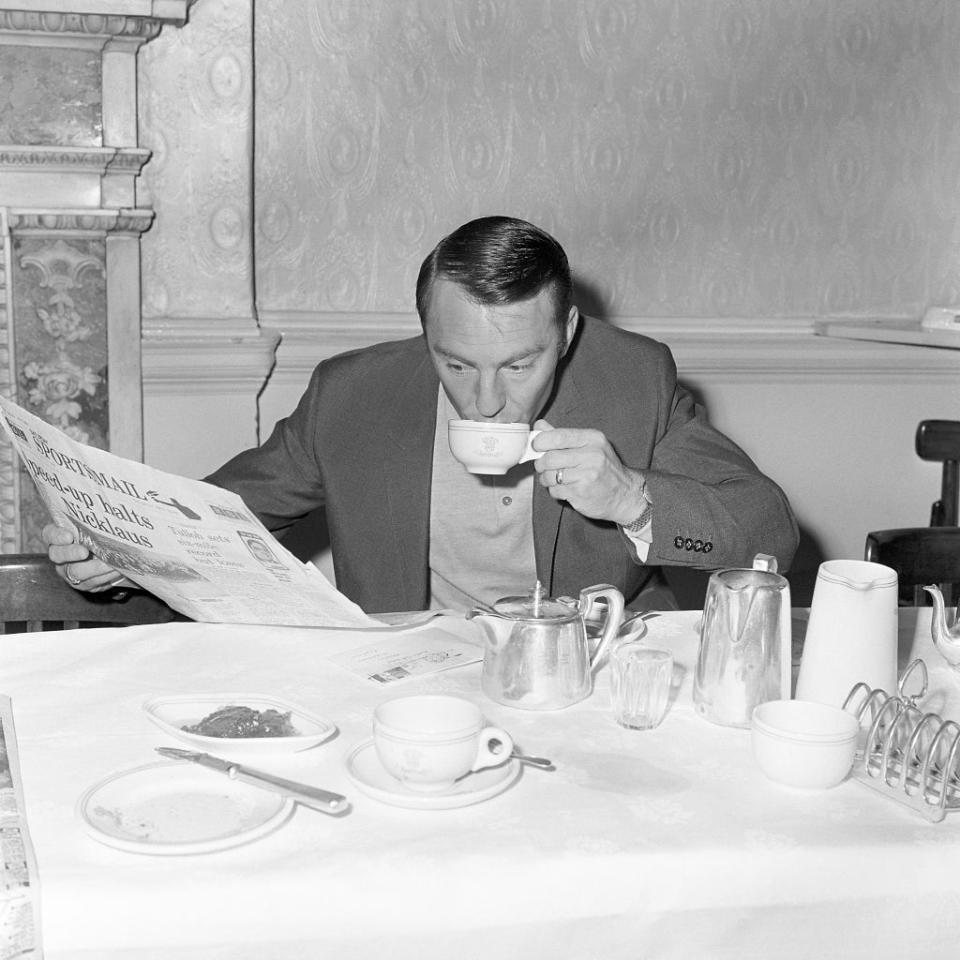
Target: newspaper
(192,544)
(19,892)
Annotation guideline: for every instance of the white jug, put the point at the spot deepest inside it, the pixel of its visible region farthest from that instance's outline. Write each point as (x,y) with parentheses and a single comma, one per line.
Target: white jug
(852,634)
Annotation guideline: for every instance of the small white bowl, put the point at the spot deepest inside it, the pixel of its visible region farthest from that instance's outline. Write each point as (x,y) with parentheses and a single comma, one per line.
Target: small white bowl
(803,744)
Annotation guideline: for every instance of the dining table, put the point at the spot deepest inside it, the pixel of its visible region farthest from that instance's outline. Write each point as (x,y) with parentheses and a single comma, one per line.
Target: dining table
(661,843)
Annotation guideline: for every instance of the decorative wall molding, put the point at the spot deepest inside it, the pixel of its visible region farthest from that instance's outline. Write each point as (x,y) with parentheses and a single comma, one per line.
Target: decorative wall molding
(169,329)
(139,20)
(64,159)
(760,350)
(891,331)
(206,365)
(809,359)
(64,175)
(129,223)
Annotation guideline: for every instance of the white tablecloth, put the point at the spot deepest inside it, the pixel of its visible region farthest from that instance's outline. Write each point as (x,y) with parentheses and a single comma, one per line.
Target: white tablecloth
(660,844)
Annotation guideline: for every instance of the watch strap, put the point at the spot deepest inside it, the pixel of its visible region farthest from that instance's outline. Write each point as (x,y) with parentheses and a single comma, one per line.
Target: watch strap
(635,526)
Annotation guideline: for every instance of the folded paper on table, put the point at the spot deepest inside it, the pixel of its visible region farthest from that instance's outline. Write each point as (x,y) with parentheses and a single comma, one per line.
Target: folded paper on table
(19,890)
(194,545)
(410,653)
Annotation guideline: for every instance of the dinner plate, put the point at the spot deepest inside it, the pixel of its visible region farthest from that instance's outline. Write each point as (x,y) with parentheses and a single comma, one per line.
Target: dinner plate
(178,808)
(368,775)
(172,713)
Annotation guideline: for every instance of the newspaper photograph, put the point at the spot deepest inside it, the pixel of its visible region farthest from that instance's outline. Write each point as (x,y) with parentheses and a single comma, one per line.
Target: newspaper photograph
(192,544)
(19,889)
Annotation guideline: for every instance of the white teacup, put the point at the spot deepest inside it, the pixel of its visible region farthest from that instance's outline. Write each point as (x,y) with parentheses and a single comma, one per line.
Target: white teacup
(427,742)
(491,447)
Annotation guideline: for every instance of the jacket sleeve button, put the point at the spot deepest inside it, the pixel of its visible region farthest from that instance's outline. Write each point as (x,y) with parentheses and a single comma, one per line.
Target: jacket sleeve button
(697,546)
(688,544)
(678,542)
(707,547)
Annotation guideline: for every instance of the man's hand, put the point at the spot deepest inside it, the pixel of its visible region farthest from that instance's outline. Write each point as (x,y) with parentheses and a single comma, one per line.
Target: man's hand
(581,467)
(77,565)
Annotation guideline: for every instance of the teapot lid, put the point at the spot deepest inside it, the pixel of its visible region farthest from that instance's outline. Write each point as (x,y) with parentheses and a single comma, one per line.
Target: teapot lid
(535,606)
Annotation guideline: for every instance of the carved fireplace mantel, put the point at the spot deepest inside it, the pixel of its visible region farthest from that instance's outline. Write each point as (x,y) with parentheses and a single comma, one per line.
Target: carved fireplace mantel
(70,227)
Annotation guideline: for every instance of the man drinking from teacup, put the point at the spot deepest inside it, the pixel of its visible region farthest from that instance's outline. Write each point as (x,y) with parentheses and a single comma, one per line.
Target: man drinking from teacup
(629,475)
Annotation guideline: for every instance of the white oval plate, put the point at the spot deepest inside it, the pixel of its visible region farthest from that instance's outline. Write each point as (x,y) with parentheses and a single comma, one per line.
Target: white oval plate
(367,774)
(178,808)
(172,713)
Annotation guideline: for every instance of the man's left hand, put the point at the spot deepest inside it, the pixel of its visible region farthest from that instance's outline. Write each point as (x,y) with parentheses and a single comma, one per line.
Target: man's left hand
(581,467)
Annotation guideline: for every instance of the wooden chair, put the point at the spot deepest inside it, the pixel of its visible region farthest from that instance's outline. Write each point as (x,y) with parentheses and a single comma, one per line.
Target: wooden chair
(925,555)
(921,556)
(939,440)
(33,597)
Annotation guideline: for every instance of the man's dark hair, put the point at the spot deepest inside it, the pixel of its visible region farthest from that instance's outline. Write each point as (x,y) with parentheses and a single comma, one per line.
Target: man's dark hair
(498,260)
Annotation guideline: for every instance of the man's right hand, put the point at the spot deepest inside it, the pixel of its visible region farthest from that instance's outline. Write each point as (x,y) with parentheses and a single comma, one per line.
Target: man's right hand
(77,565)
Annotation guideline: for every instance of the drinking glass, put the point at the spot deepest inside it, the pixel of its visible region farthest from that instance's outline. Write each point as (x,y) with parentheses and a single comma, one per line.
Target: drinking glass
(640,681)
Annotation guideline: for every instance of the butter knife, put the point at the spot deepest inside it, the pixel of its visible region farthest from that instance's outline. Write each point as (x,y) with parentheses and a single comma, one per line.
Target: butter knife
(313,797)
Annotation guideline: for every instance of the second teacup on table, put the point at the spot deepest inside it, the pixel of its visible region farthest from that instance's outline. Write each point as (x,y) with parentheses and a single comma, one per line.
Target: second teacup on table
(430,741)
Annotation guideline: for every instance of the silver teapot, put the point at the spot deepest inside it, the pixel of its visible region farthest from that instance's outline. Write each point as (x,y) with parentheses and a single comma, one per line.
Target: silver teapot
(536,654)
(946,635)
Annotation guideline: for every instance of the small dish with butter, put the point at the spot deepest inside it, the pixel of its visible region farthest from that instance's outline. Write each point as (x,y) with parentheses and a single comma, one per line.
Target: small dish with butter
(228,724)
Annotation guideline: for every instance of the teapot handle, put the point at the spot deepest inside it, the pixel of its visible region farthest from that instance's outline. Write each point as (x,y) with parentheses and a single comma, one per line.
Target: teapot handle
(614,598)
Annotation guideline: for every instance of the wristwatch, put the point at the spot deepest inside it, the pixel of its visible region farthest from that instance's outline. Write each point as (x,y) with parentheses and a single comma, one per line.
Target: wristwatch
(635,526)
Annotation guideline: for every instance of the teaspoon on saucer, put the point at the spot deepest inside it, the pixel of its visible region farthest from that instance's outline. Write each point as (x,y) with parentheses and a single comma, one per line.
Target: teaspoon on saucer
(542,762)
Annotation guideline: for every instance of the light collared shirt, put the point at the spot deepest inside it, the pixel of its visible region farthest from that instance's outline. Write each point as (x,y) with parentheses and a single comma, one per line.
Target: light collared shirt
(481,528)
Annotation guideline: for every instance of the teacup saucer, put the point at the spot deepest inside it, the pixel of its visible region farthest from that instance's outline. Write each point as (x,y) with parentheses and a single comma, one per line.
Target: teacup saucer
(367,774)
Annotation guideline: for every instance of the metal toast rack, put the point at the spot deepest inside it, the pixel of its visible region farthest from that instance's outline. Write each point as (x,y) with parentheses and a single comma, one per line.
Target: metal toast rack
(903,752)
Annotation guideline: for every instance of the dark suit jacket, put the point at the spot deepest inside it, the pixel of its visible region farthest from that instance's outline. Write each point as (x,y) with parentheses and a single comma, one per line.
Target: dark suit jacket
(361,439)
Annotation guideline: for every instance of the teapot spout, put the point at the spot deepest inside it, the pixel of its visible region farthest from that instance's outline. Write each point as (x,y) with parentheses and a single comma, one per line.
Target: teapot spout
(496,628)
(946,637)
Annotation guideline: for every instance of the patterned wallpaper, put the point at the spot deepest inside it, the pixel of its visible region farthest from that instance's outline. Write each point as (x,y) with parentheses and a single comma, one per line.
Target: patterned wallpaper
(196,116)
(698,158)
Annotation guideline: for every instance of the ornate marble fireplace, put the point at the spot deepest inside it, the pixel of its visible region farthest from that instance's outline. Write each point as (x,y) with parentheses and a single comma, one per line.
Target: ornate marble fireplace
(70,227)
